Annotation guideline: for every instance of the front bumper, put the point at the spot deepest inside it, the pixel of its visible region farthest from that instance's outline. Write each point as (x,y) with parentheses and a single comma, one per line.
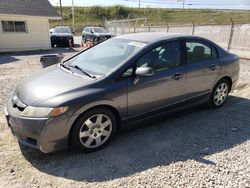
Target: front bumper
(44,134)
(62,40)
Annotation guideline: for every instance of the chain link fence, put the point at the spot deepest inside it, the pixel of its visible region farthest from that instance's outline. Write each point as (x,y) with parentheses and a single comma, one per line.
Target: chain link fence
(232,37)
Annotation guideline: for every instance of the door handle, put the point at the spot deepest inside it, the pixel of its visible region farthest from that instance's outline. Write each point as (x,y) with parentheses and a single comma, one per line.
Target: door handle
(177,76)
(212,67)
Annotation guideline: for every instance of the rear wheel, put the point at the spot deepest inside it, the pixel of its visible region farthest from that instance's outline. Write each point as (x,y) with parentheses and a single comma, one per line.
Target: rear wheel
(220,93)
(93,130)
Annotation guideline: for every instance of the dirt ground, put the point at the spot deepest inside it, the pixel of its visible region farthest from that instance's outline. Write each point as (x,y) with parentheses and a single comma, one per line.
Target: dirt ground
(198,147)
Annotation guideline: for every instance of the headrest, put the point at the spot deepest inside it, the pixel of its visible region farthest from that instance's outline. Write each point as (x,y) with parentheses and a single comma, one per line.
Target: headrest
(199,50)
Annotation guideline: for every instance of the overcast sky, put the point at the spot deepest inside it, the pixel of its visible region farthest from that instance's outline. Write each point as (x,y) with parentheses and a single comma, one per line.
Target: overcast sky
(214,4)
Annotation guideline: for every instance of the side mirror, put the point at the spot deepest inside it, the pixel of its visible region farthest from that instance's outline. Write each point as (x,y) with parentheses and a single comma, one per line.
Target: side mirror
(144,71)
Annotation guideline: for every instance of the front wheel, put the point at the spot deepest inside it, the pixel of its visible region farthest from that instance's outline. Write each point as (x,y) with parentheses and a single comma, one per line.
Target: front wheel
(84,39)
(96,40)
(93,130)
(220,93)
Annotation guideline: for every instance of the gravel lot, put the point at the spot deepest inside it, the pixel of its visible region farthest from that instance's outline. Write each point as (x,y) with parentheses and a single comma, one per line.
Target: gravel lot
(193,148)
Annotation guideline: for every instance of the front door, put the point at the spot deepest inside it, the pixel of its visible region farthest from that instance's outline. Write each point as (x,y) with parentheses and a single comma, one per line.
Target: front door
(165,87)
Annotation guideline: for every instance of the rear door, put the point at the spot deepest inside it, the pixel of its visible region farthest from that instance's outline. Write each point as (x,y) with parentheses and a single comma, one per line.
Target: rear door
(202,67)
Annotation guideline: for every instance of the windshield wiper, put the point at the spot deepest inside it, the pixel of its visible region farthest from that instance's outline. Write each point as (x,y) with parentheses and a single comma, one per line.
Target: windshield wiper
(82,70)
(64,66)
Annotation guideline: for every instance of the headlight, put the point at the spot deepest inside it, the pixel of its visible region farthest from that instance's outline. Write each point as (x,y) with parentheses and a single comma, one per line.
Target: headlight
(41,112)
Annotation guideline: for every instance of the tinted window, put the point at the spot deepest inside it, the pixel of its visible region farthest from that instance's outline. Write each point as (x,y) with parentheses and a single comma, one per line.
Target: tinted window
(197,52)
(13,26)
(163,57)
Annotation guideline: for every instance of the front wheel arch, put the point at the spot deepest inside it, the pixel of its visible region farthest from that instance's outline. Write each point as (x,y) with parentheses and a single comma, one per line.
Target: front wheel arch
(73,141)
(108,107)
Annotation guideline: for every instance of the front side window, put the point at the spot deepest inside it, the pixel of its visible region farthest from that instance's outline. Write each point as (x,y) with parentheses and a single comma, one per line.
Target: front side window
(164,57)
(14,26)
(197,52)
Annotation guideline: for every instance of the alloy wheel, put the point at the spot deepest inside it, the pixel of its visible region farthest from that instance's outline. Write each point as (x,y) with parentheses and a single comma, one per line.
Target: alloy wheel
(95,131)
(220,94)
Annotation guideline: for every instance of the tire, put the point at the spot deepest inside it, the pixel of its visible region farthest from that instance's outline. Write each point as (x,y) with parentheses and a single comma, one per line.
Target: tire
(95,40)
(52,45)
(93,130)
(219,94)
(84,39)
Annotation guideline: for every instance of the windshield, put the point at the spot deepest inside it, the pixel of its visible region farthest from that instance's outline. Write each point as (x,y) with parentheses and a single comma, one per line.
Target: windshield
(99,30)
(62,30)
(106,56)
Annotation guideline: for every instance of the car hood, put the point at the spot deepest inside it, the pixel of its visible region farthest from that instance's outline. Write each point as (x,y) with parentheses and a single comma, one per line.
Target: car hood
(62,34)
(47,83)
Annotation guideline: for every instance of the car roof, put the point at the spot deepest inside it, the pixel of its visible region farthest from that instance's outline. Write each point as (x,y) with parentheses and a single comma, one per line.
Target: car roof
(58,27)
(151,37)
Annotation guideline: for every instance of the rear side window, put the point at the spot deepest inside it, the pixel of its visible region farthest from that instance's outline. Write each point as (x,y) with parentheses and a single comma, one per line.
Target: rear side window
(198,52)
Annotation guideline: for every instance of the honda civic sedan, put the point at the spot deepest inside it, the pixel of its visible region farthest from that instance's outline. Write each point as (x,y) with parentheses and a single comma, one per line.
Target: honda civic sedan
(82,102)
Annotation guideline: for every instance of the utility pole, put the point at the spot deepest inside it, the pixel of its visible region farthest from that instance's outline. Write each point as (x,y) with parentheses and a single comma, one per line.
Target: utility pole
(183,3)
(61,11)
(73,16)
(139,3)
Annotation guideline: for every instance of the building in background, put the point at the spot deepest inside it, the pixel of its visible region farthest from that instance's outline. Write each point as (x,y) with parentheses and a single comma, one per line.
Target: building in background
(24,24)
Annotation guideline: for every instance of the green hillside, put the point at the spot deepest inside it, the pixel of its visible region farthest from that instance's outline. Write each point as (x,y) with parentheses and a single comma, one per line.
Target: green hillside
(94,16)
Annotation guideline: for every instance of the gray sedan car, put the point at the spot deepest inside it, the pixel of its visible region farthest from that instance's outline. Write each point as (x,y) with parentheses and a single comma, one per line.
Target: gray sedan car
(83,101)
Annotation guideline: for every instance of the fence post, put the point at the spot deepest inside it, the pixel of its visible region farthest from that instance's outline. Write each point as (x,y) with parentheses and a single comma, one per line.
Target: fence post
(115,29)
(167,28)
(135,26)
(123,28)
(148,28)
(193,28)
(231,35)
